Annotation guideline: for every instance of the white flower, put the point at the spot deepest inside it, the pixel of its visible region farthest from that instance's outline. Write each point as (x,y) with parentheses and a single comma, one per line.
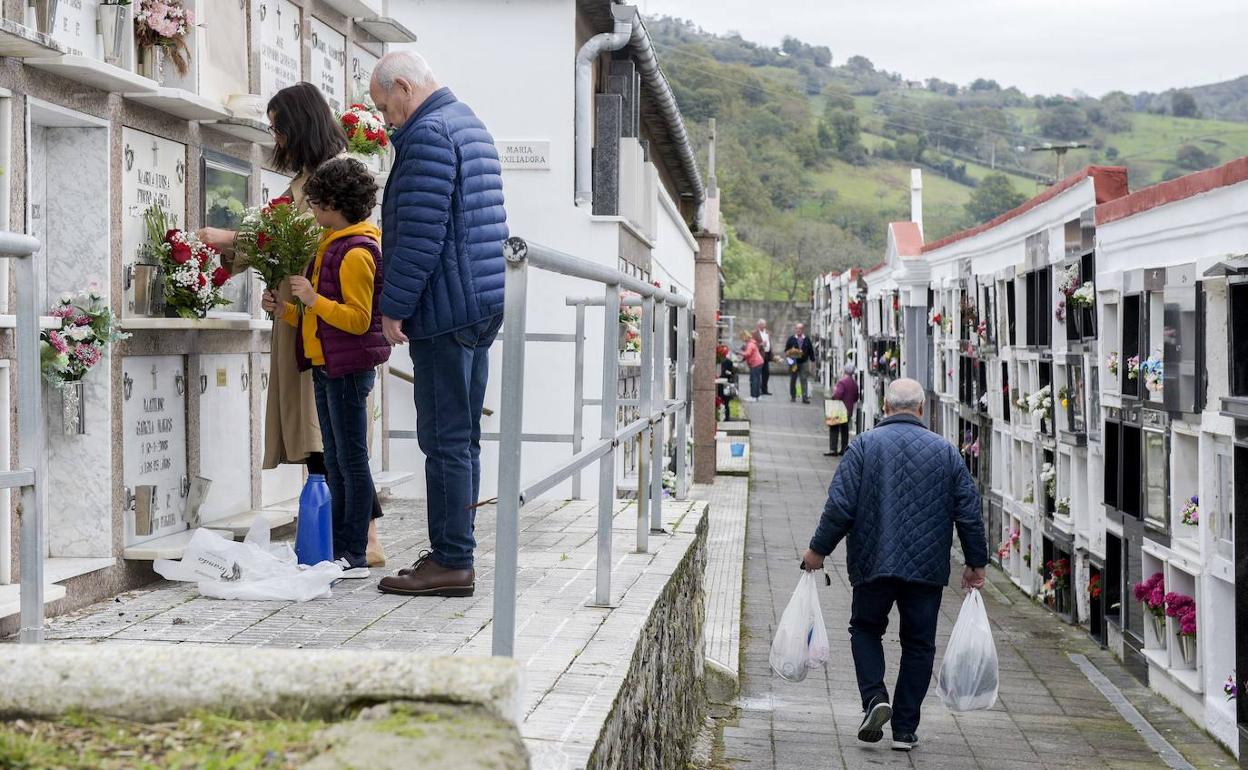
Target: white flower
(79,333)
(1085,294)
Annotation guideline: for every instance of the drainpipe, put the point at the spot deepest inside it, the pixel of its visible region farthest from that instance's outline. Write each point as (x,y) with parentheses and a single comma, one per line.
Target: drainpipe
(648,66)
(585,58)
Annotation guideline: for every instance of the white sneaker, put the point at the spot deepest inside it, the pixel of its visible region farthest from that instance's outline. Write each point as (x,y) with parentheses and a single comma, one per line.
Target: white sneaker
(350,572)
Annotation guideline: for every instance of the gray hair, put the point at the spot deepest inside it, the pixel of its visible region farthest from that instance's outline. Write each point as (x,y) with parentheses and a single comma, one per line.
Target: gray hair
(904,395)
(408,65)
(849,369)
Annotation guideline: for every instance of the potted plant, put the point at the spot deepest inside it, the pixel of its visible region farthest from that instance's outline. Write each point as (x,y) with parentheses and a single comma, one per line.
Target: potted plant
(160,29)
(1191,511)
(1152,594)
(114,18)
(68,353)
(1182,608)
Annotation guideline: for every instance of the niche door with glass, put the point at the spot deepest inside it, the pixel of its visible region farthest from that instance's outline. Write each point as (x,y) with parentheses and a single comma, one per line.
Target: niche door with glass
(224,202)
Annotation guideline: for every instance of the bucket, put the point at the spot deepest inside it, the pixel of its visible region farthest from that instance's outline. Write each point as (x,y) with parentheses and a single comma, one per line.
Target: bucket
(738,449)
(314,538)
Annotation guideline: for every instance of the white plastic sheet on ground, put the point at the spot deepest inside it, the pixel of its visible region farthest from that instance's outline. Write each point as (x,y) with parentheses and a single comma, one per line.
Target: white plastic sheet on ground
(253,569)
(968,673)
(801,641)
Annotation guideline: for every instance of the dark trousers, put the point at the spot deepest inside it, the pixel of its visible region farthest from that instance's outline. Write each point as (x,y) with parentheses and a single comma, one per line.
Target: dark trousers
(838,438)
(766,373)
(799,372)
(756,380)
(449,373)
(342,409)
(316,464)
(919,607)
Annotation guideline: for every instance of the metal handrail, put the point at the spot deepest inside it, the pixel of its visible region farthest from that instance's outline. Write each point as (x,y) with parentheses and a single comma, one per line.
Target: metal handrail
(30,430)
(654,408)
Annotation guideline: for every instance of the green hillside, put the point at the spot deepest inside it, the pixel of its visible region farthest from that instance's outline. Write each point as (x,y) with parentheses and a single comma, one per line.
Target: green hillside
(815,155)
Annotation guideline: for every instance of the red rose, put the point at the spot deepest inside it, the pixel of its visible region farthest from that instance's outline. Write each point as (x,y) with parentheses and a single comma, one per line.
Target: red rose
(170,234)
(281,201)
(350,118)
(220,276)
(373,135)
(181,253)
(203,279)
(262,241)
(382,139)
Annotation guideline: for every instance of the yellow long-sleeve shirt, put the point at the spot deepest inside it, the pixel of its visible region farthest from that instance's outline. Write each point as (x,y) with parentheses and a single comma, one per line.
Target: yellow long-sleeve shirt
(356,276)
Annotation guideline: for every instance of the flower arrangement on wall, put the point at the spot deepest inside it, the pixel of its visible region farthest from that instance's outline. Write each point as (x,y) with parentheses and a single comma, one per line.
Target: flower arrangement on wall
(1111,363)
(1063,506)
(164,25)
(1070,280)
(87,330)
(1040,403)
(1133,367)
(855,308)
(1152,594)
(1094,586)
(1060,311)
(1154,373)
(1007,545)
(1048,474)
(1084,296)
(1230,689)
(1182,608)
(366,130)
(1191,511)
(193,277)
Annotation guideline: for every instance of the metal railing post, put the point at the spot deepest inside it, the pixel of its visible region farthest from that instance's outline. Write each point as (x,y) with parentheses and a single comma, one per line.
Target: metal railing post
(606,466)
(30,448)
(682,394)
(658,408)
(645,393)
(511,423)
(578,397)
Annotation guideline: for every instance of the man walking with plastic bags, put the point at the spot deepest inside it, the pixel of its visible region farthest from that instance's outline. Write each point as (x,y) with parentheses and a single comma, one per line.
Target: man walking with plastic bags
(896,497)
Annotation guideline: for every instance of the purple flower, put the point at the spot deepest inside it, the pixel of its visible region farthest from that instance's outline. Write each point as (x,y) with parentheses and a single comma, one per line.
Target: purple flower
(89,355)
(1187,623)
(58,342)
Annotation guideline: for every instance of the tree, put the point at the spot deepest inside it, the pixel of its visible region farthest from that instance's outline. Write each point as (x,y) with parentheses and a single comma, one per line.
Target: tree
(836,97)
(942,87)
(981,84)
(843,130)
(1192,158)
(1183,105)
(860,64)
(1065,121)
(1111,153)
(994,196)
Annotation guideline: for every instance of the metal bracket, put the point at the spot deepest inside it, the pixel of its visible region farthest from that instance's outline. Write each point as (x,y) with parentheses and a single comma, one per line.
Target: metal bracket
(203,384)
(515,249)
(180,383)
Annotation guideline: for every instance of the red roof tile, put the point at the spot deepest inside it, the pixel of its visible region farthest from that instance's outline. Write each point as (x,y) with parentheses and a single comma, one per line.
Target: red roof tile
(1175,190)
(908,237)
(1109,183)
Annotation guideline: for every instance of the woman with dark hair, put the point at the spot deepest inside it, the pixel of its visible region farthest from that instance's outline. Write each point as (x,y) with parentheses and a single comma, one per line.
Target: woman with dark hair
(305,134)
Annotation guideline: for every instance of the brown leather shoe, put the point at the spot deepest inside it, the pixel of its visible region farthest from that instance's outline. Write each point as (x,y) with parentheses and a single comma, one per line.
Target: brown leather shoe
(428,578)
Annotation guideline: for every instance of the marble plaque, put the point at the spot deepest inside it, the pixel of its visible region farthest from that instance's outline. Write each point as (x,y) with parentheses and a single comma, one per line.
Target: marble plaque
(153,171)
(360,71)
(329,64)
(225,433)
(281,33)
(153,416)
(76,27)
(524,155)
(223,65)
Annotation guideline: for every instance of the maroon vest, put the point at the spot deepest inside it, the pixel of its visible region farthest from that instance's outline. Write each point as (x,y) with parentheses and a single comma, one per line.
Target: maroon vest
(346,353)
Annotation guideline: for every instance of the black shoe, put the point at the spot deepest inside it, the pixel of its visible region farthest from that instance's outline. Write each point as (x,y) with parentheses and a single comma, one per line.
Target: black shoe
(877,715)
(793,398)
(905,741)
(805,400)
(831,454)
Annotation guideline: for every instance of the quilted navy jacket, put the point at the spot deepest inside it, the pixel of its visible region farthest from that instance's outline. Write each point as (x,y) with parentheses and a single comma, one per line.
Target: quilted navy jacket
(896,497)
(443,223)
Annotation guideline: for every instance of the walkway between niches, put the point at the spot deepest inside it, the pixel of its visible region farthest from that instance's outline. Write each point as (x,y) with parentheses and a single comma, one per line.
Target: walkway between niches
(1049,713)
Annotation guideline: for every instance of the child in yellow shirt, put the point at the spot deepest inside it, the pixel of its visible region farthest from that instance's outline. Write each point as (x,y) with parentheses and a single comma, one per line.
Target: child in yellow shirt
(340,340)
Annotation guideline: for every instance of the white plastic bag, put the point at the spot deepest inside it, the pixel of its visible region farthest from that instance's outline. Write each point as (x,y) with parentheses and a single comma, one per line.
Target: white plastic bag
(968,672)
(801,641)
(253,569)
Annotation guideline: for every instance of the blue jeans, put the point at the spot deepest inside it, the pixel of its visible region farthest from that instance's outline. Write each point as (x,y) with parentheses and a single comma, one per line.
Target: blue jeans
(342,408)
(449,373)
(919,607)
(756,381)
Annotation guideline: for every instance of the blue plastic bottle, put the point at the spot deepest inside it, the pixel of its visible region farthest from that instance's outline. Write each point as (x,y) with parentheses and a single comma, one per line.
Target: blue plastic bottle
(314,539)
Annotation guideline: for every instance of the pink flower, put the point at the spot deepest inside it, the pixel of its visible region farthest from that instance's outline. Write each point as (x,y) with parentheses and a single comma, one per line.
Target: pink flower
(1187,624)
(87,354)
(82,320)
(58,342)
(64,311)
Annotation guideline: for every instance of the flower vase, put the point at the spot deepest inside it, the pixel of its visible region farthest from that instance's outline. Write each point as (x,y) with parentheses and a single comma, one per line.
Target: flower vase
(73,413)
(114,20)
(45,15)
(152,63)
(1187,649)
(1159,627)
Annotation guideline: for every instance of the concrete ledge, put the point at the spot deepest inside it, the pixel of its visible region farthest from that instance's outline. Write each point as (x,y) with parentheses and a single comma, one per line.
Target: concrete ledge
(156,682)
(725,559)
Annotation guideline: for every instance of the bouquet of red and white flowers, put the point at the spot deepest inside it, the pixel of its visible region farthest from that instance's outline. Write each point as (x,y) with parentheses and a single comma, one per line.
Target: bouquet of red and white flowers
(278,240)
(366,131)
(193,275)
(87,329)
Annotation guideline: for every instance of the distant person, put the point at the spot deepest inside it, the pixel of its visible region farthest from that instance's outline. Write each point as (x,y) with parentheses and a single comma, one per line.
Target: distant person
(895,499)
(762,338)
(846,391)
(754,360)
(443,291)
(799,351)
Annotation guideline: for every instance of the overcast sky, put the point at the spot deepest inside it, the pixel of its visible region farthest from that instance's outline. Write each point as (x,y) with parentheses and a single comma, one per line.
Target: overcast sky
(1041,46)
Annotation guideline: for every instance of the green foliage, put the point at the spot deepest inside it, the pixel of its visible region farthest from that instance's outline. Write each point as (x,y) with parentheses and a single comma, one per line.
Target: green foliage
(994,196)
(1183,105)
(1193,158)
(1065,121)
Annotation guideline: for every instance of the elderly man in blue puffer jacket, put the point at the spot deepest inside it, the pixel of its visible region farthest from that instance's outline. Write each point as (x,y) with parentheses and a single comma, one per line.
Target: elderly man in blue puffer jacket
(443,227)
(896,497)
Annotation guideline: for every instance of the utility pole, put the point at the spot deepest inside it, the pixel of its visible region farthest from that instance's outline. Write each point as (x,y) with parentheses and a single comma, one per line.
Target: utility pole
(1060,151)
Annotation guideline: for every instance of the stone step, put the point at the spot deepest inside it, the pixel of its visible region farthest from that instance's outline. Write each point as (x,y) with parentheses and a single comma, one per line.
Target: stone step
(167,547)
(725,463)
(11,597)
